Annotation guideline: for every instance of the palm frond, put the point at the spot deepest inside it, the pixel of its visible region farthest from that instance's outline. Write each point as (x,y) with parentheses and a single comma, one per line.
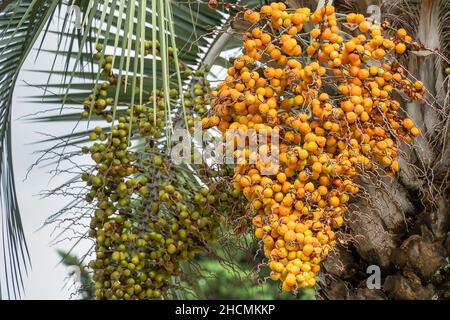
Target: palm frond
(192,23)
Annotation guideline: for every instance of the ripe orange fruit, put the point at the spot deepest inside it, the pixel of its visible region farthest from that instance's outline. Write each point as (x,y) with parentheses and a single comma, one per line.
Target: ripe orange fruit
(400,48)
(363,74)
(281,177)
(364,26)
(315,33)
(401,33)
(351,17)
(350,46)
(334,201)
(408,123)
(351,117)
(308,249)
(317,167)
(418,85)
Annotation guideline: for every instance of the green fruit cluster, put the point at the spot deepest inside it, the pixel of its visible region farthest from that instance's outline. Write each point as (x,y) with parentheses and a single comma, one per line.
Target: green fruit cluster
(150,215)
(198,97)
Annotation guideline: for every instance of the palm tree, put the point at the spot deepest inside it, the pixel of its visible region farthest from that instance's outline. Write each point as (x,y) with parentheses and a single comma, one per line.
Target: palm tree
(400,225)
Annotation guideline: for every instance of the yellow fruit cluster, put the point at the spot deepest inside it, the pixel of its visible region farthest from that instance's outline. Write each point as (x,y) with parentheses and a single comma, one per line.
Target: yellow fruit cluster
(328,93)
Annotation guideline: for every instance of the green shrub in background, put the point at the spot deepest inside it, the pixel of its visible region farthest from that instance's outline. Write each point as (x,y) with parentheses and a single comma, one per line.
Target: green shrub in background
(239,279)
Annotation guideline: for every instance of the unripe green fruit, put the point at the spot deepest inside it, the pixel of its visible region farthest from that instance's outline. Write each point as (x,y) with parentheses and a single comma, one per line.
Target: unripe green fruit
(99,47)
(85,176)
(157,160)
(96,181)
(188,103)
(93,136)
(171,249)
(204,191)
(170,188)
(108,67)
(143,191)
(116,256)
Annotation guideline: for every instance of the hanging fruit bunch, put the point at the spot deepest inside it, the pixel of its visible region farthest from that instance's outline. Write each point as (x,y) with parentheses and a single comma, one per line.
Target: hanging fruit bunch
(150,215)
(325,83)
